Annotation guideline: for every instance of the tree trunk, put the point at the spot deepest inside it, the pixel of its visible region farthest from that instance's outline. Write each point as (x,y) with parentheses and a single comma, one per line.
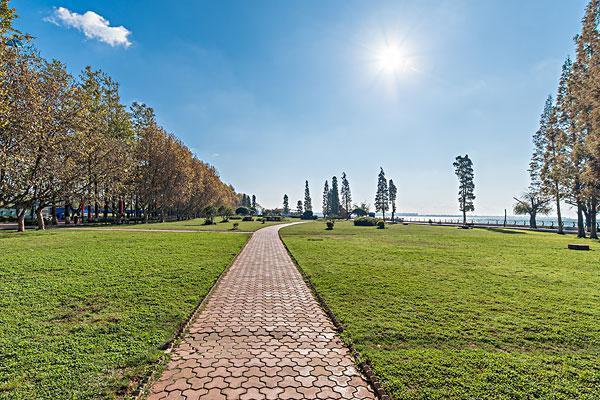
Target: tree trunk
(53,214)
(464,216)
(580,223)
(39,216)
(67,214)
(20,220)
(558,213)
(593,224)
(532,221)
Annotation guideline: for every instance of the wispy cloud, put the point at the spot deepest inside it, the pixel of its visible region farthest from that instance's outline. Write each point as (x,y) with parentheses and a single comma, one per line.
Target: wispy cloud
(93,26)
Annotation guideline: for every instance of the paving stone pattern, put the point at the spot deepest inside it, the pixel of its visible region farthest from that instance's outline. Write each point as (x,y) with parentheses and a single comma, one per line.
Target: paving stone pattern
(262,335)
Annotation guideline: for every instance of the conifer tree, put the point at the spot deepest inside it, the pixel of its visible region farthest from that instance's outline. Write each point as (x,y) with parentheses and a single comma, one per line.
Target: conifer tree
(286,205)
(554,153)
(299,207)
(393,191)
(346,195)
(326,200)
(254,202)
(334,198)
(307,199)
(382,199)
(463,167)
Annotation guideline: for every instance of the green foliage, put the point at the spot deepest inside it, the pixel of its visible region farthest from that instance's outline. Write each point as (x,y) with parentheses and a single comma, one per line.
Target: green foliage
(308,215)
(84,312)
(307,198)
(242,211)
(382,199)
(236,226)
(330,223)
(366,221)
(446,313)
(247,218)
(334,198)
(286,204)
(463,167)
(346,195)
(381,224)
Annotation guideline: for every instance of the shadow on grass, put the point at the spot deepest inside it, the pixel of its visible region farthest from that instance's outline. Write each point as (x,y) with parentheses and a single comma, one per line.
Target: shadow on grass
(506,231)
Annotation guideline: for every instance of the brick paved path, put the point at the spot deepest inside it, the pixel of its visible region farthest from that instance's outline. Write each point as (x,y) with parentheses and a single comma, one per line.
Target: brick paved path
(261,336)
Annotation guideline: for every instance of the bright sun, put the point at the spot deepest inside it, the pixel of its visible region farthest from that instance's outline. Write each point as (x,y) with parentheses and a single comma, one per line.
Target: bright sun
(391,59)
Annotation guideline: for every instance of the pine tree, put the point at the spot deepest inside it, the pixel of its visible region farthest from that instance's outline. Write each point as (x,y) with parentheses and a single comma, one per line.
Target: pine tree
(326,200)
(463,167)
(554,168)
(334,198)
(346,195)
(299,207)
(382,200)
(286,205)
(393,191)
(307,199)
(540,143)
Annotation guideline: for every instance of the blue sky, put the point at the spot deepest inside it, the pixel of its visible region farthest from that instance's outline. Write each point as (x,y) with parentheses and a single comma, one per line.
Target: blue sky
(276,92)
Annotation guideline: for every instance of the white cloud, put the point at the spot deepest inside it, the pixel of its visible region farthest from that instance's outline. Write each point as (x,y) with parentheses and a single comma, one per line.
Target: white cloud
(93,26)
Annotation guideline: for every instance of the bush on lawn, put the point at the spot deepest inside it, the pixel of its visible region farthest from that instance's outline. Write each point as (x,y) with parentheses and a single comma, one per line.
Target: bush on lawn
(242,211)
(247,218)
(235,217)
(366,221)
(330,224)
(236,225)
(308,215)
(381,224)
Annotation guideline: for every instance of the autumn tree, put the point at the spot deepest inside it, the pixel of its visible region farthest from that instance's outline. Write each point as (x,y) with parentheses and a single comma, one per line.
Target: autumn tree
(382,196)
(463,168)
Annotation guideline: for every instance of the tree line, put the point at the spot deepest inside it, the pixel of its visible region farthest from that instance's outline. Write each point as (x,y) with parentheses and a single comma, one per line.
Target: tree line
(69,141)
(565,164)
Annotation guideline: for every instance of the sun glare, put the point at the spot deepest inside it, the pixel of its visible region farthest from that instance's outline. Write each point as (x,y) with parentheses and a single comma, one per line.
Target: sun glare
(391,60)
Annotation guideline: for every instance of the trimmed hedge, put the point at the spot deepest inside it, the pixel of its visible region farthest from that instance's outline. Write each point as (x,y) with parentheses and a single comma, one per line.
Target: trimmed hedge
(366,221)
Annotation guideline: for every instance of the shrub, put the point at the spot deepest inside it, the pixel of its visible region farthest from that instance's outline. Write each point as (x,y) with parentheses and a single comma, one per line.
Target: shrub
(242,211)
(235,217)
(247,218)
(308,215)
(330,224)
(366,221)
(381,224)
(236,226)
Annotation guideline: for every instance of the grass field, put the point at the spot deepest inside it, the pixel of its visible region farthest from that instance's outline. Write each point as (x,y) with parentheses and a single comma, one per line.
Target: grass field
(198,225)
(84,312)
(445,313)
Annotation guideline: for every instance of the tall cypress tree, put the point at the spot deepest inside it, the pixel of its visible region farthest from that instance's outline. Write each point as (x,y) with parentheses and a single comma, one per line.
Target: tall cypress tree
(346,195)
(286,204)
(334,198)
(326,199)
(299,207)
(254,202)
(463,167)
(382,199)
(393,191)
(307,199)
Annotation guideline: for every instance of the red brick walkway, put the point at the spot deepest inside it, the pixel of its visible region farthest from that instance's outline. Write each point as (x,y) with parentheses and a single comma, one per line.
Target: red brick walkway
(261,336)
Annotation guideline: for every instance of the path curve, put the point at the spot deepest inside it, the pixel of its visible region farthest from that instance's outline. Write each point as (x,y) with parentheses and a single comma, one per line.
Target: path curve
(261,335)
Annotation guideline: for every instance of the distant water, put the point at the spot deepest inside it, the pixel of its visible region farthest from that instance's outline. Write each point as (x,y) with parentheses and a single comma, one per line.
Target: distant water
(486,219)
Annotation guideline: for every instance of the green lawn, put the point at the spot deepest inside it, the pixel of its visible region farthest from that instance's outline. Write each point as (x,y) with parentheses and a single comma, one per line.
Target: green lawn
(84,312)
(445,313)
(198,225)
